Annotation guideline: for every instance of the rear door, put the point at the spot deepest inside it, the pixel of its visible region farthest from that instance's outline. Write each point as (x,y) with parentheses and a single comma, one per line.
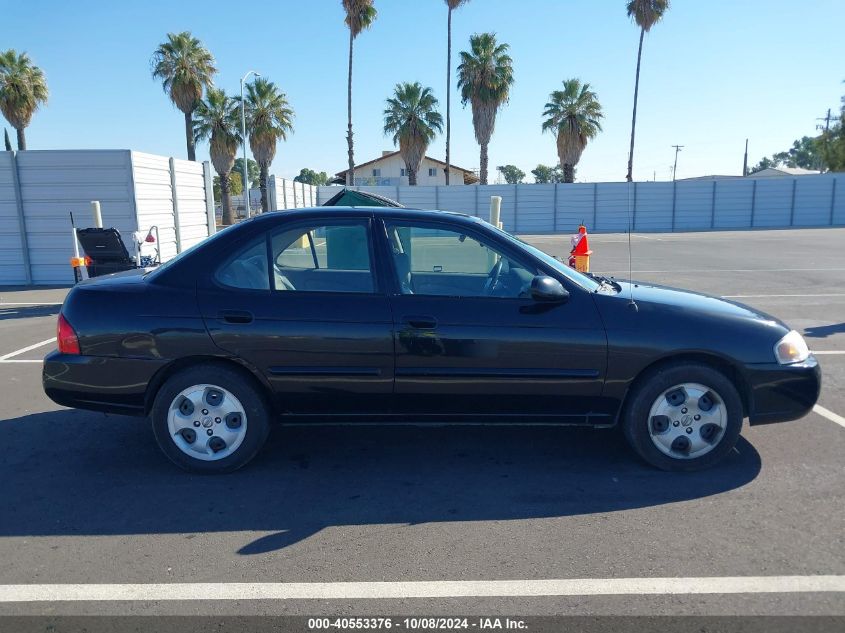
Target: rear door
(303,304)
(471,341)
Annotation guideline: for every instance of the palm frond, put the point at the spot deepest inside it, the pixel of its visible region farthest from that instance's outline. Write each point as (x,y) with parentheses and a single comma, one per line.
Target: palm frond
(185,68)
(23,88)
(574,116)
(647,13)
(412,118)
(360,14)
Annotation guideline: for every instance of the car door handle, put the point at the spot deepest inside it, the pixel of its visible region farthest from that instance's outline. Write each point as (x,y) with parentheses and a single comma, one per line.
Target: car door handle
(241,317)
(420,322)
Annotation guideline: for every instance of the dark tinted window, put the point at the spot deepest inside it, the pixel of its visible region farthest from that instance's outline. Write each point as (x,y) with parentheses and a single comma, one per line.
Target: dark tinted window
(247,268)
(332,257)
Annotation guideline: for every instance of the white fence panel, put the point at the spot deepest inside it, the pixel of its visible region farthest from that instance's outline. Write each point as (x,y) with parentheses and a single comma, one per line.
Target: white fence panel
(694,205)
(154,199)
(652,204)
(534,208)
(575,204)
(812,201)
(54,183)
(613,202)
(190,193)
(12,267)
(733,203)
(773,202)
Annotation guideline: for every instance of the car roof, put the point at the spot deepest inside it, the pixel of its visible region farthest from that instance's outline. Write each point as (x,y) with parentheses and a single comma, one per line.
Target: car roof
(392,212)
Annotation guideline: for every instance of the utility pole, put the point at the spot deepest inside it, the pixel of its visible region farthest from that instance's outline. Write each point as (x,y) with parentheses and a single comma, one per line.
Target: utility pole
(678,148)
(745,160)
(826,120)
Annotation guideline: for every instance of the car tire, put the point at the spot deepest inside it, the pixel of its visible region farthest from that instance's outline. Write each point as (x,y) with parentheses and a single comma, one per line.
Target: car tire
(210,419)
(657,418)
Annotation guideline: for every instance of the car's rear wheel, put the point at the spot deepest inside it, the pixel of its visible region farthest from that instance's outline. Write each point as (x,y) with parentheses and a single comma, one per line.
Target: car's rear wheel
(209,419)
(683,416)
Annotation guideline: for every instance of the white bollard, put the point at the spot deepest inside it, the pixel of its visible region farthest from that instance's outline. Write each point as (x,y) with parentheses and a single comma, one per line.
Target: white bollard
(495,210)
(98,217)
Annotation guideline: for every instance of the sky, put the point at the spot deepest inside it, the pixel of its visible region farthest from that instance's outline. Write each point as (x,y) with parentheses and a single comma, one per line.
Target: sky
(714,73)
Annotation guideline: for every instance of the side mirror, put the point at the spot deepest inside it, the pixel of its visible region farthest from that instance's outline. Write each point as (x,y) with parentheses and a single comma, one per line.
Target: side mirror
(548,290)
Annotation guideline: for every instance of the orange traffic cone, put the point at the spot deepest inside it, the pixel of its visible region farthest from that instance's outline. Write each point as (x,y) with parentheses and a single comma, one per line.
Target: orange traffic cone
(580,255)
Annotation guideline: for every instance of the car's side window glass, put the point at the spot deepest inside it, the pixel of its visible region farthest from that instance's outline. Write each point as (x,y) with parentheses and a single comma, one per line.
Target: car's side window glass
(247,268)
(332,257)
(431,260)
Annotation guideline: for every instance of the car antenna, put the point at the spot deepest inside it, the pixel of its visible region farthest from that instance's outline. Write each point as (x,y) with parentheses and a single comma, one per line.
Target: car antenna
(631,303)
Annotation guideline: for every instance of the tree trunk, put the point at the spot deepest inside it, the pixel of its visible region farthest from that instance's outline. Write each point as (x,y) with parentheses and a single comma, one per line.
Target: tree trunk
(483,168)
(228,216)
(350,175)
(630,175)
(265,202)
(21,138)
(6,140)
(189,136)
(412,176)
(568,173)
(448,91)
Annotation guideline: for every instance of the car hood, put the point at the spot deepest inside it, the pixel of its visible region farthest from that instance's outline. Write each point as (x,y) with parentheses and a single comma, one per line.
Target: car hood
(689,300)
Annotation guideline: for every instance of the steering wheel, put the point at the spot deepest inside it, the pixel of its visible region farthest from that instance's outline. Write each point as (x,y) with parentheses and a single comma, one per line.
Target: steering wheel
(493,277)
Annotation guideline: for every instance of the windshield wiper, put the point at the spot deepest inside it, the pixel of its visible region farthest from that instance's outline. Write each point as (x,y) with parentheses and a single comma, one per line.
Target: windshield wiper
(605,281)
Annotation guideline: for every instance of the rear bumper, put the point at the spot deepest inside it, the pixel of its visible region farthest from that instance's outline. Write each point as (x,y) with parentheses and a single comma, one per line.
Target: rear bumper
(780,393)
(98,383)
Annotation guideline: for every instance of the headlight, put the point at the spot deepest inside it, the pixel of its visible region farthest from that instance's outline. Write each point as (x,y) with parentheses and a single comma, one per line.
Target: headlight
(791,349)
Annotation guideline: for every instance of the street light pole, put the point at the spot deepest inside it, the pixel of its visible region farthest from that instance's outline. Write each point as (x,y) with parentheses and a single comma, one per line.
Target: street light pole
(243,131)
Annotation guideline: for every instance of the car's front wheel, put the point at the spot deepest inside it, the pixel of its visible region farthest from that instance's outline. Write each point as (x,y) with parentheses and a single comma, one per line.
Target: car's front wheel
(209,419)
(683,416)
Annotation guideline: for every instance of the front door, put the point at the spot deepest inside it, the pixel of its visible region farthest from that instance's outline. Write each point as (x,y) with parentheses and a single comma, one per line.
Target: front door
(471,341)
(303,306)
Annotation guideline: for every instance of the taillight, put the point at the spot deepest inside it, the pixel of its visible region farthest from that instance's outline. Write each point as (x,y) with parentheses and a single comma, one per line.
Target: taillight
(66,337)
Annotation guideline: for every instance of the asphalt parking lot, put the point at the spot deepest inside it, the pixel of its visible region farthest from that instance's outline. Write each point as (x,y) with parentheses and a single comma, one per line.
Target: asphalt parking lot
(88,499)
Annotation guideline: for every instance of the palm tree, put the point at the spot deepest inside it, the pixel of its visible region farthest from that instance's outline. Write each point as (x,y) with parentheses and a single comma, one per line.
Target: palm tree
(412,117)
(185,68)
(269,118)
(23,88)
(572,115)
(452,5)
(646,13)
(217,119)
(485,76)
(360,14)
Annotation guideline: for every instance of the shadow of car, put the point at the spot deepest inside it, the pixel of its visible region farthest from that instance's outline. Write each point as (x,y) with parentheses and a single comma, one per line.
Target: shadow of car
(82,473)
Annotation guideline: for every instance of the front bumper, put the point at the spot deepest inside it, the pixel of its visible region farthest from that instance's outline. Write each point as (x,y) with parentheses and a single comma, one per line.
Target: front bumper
(779,393)
(98,383)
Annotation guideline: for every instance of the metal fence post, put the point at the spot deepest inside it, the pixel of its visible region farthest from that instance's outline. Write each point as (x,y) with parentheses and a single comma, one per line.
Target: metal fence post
(595,205)
(210,213)
(294,195)
(832,200)
(477,213)
(634,211)
(177,228)
(271,193)
(713,205)
(554,209)
(753,201)
(16,181)
(397,194)
(515,207)
(792,204)
(674,201)
(436,196)
(284,193)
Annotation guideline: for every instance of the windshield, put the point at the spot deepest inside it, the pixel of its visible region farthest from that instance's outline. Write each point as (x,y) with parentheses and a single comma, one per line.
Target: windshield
(573,275)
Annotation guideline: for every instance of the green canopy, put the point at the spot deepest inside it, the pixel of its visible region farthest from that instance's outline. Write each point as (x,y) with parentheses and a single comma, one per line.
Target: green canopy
(351,198)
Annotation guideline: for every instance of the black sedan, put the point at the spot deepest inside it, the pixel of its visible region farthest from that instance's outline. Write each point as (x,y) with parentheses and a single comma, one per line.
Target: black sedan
(379,314)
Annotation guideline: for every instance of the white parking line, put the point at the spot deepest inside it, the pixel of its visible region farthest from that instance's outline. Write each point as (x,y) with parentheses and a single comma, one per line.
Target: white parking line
(27,349)
(770,295)
(830,415)
(420,589)
(837,352)
(30,303)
